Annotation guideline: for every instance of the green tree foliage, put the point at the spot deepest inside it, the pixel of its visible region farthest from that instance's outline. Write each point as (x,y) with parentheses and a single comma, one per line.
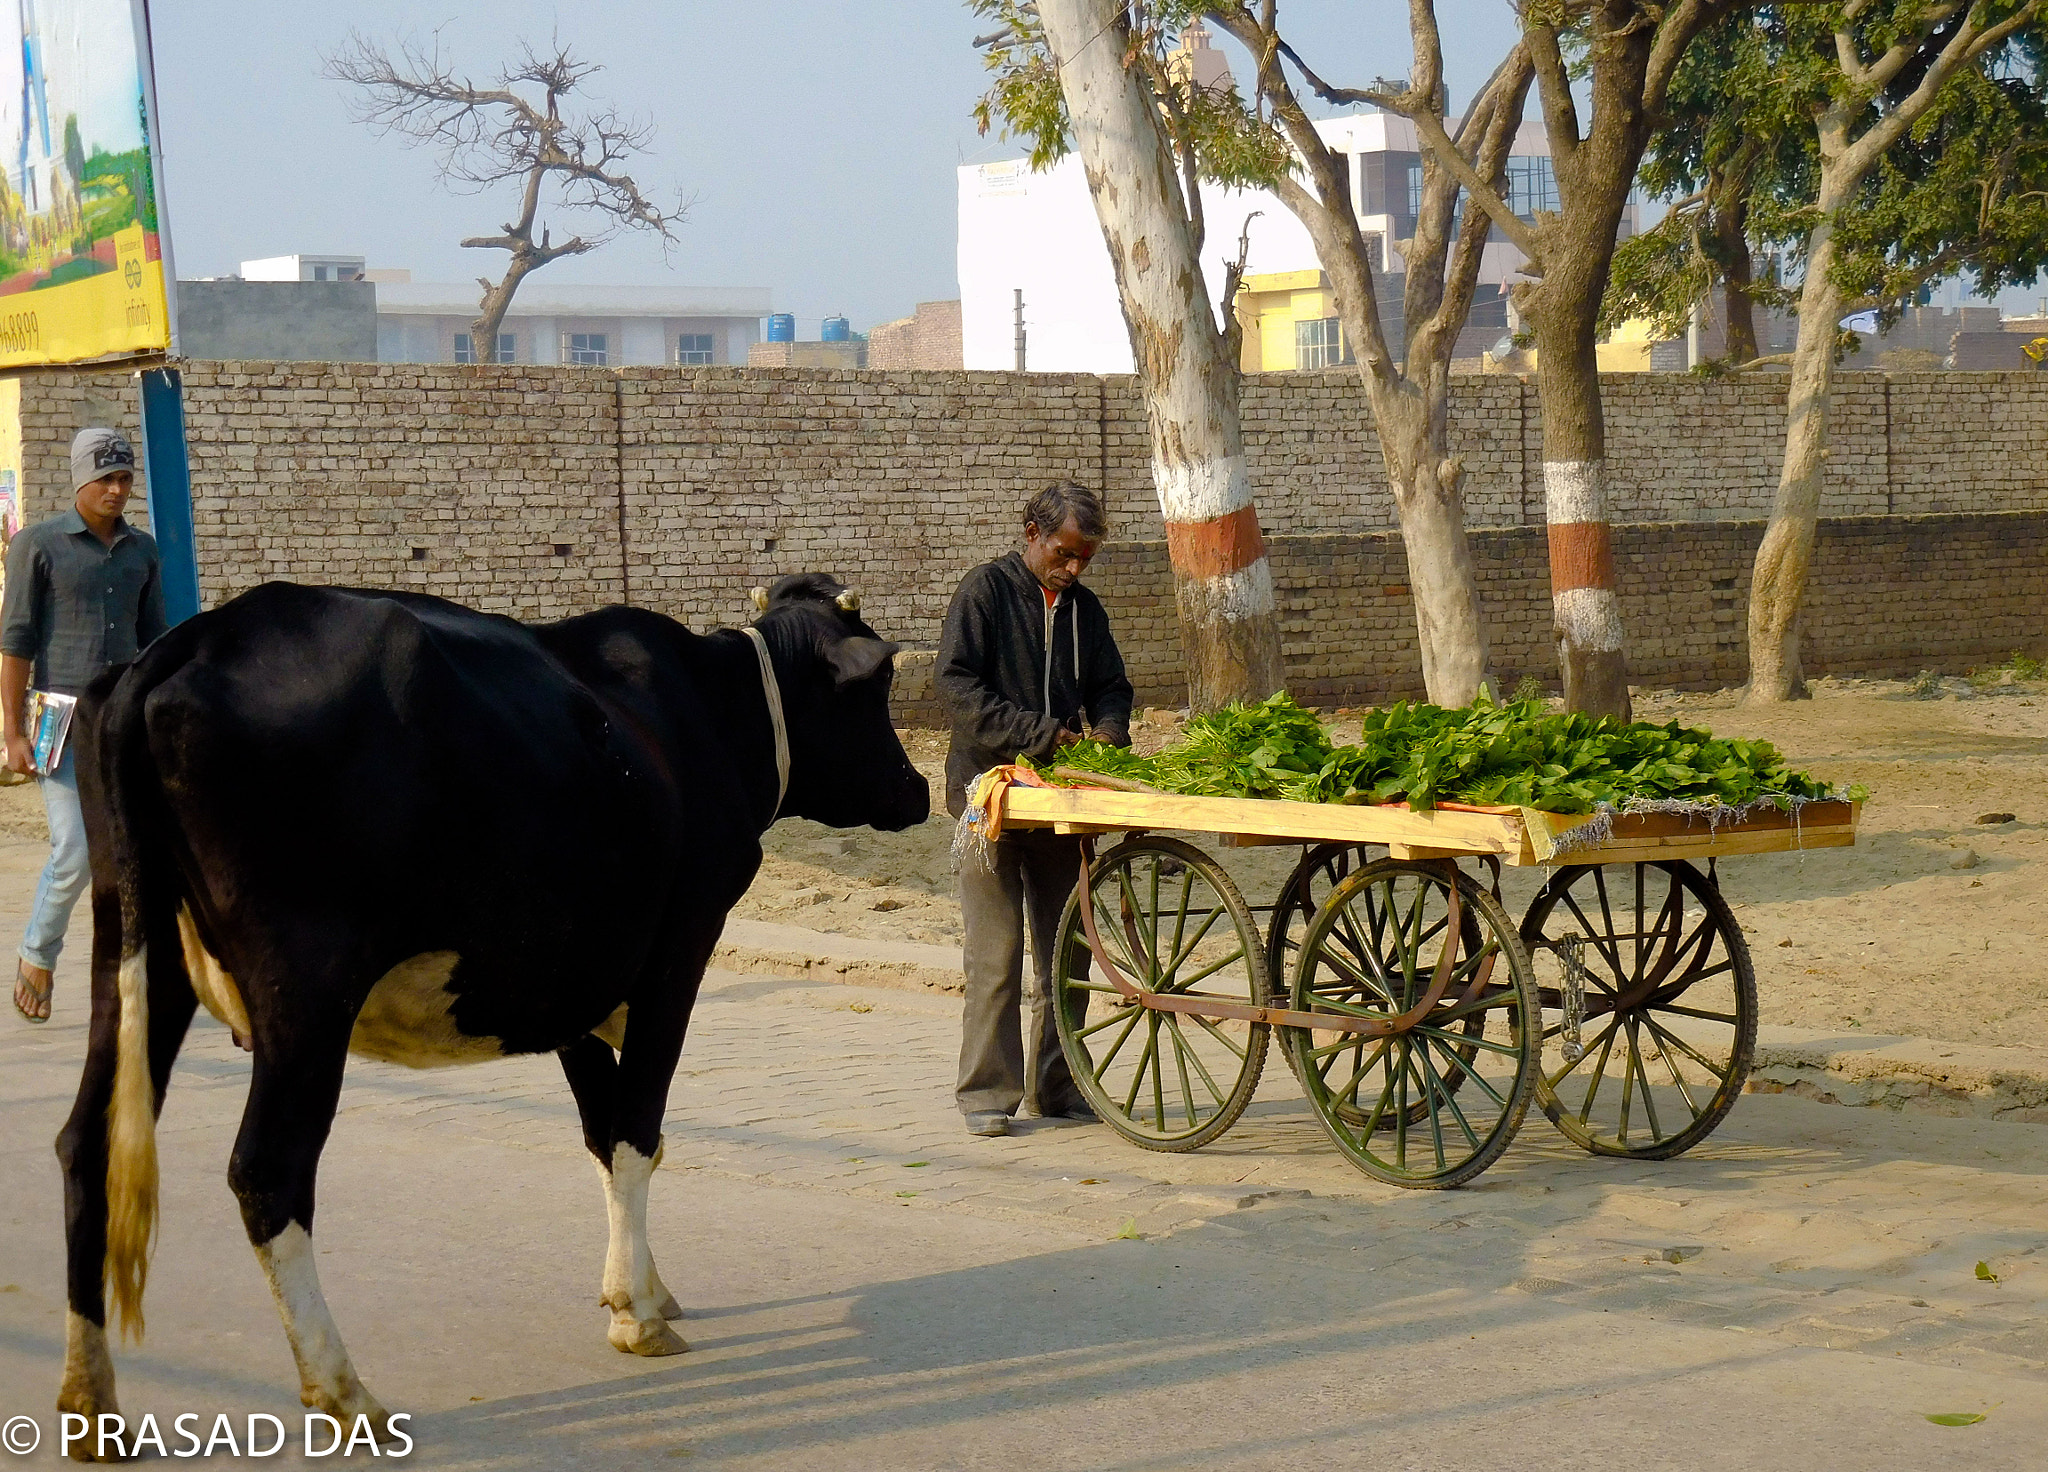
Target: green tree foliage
(1219,138)
(1965,190)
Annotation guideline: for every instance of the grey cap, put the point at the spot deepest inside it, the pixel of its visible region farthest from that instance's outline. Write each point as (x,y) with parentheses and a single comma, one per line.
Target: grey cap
(98,452)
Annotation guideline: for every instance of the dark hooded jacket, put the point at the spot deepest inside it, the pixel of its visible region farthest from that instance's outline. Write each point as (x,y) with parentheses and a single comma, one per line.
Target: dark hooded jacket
(1001,689)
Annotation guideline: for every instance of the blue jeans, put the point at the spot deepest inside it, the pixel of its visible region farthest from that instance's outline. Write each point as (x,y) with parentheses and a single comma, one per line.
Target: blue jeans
(67,874)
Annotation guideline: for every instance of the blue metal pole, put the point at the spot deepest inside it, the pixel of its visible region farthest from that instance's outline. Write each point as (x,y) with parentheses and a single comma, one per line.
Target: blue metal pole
(169,490)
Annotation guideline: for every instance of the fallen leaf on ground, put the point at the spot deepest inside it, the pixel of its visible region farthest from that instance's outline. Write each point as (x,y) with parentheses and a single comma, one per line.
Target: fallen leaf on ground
(1128,1232)
(1956,1418)
(1984,1273)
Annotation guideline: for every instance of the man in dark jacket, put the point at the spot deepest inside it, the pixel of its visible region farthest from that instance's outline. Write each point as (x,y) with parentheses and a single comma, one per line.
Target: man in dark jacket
(1026,666)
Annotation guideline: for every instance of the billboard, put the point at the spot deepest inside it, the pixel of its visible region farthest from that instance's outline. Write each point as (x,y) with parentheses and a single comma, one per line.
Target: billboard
(82,268)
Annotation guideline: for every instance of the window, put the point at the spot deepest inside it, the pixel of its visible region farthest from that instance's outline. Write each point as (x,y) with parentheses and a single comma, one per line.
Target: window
(1319,343)
(585,348)
(465,348)
(1532,186)
(319,273)
(693,347)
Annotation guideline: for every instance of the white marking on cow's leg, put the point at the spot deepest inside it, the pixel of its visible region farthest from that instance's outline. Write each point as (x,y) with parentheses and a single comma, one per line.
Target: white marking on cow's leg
(327,1381)
(88,1387)
(631,1290)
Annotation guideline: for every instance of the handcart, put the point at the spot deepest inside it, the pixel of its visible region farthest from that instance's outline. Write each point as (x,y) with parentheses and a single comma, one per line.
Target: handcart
(1414,1012)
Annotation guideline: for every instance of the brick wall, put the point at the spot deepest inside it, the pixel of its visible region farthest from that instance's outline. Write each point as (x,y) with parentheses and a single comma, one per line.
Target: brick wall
(1888,595)
(543,491)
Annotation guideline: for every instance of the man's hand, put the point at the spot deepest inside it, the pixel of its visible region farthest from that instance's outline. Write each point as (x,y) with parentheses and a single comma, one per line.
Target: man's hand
(21,757)
(1067,737)
(1111,735)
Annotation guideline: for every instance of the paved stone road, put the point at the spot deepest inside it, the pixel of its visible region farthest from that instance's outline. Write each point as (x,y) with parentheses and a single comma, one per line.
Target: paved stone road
(870,1288)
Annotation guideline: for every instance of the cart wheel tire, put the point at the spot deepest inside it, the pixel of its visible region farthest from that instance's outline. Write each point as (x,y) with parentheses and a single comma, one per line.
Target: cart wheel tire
(1669,993)
(1433,1105)
(1172,921)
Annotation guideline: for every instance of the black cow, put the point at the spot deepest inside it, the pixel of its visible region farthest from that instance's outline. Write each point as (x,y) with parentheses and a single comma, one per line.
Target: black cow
(383,823)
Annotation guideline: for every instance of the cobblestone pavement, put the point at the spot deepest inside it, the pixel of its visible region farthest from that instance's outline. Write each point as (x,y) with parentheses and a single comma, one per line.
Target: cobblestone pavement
(870,1287)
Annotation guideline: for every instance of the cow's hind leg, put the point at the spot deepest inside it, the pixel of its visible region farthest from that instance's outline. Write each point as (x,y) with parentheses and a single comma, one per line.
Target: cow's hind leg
(640,1303)
(292,1099)
(82,1151)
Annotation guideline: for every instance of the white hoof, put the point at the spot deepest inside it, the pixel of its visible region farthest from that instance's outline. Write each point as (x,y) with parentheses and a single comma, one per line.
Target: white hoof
(651,1337)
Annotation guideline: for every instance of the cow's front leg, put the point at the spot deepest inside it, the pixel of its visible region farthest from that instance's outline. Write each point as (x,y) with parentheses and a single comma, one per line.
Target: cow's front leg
(292,1097)
(653,1041)
(592,1069)
(640,1305)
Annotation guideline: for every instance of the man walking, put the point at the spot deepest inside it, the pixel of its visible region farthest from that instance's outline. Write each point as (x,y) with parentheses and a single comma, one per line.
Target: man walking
(84,593)
(1026,665)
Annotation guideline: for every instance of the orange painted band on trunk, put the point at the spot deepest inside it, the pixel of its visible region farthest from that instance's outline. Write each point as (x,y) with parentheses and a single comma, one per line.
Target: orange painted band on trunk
(1216,548)
(1581,556)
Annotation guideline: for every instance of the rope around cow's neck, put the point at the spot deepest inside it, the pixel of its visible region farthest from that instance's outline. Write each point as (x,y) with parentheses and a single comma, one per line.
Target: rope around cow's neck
(774,693)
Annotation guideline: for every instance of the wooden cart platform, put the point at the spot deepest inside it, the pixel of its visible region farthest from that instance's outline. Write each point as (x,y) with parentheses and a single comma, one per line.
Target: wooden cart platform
(1514,836)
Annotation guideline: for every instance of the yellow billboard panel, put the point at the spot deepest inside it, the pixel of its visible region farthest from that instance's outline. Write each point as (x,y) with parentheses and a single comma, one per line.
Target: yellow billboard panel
(82,272)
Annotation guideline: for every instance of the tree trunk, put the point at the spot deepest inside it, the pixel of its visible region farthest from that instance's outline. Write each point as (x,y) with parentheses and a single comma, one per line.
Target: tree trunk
(497,300)
(1731,229)
(1427,482)
(1585,610)
(1223,585)
(1778,581)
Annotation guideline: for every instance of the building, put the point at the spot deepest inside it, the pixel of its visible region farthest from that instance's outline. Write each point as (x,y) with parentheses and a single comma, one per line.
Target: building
(335,308)
(1290,321)
(601,326)
(928,338)
(1037,232)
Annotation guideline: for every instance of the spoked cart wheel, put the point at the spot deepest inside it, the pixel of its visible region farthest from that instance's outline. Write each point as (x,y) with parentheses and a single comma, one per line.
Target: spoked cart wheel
(1431,1083)
(1322,868)
(1649,1006)
(1170,921)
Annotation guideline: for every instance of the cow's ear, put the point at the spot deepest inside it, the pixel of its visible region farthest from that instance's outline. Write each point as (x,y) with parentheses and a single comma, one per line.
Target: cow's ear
(854,660)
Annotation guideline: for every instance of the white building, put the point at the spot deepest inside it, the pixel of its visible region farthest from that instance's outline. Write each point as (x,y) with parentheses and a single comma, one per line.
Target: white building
(604,326)
(429,322)
(1038,232)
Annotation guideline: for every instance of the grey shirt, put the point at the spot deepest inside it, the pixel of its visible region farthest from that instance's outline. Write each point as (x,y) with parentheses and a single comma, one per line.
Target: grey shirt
(77,606)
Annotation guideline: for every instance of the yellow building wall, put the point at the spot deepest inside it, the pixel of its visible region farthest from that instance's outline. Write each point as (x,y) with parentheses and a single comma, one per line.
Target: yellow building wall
(1268,306)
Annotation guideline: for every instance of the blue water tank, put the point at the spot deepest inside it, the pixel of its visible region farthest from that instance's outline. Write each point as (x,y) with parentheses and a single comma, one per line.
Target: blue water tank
(782,327)
(836,329)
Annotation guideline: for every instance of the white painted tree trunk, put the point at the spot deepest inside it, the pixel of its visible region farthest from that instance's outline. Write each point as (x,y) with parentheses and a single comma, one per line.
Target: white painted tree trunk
(1223,584)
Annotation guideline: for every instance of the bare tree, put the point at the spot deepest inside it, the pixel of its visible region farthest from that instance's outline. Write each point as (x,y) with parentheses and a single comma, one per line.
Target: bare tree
(511,132)
(1406,381)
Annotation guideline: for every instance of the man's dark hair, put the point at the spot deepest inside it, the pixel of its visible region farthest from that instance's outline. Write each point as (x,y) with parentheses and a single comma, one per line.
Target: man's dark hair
(1052,507)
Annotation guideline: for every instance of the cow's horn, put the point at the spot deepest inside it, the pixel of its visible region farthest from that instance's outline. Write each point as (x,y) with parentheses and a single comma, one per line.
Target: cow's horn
(849,600)
(760,597)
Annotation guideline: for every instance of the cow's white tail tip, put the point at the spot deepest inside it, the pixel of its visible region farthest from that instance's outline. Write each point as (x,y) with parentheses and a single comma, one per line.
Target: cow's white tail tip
(131,1151)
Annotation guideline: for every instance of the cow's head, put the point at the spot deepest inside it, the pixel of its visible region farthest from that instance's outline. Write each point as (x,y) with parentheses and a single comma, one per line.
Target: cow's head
(846,767)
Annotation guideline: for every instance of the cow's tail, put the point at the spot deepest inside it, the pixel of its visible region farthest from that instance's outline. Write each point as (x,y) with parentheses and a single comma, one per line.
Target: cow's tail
(134,883)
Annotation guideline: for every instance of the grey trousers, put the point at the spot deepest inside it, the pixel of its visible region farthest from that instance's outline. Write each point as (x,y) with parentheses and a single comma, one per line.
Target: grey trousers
(1028,879)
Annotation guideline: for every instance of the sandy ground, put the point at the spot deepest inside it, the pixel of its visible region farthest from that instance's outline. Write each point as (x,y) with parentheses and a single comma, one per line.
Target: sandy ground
(1932,926)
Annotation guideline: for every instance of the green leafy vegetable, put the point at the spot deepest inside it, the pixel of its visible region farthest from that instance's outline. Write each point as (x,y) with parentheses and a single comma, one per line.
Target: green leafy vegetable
(1512,755)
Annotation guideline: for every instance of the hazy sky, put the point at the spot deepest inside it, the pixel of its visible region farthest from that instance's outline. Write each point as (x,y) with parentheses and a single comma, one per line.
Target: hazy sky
(820,139)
